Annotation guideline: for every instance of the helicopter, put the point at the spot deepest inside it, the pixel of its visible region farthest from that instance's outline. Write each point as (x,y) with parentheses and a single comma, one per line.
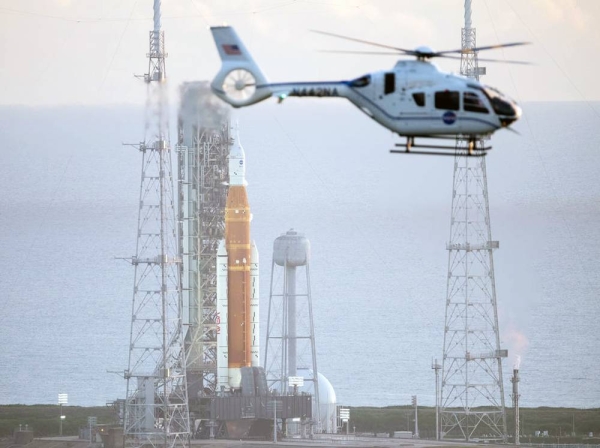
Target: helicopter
(414,99)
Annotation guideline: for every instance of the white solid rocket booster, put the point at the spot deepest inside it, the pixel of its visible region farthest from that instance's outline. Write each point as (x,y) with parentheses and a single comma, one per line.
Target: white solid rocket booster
(254,305)
(222,342)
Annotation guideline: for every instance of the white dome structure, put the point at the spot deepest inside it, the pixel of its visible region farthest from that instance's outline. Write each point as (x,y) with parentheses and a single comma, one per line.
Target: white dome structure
(327,400)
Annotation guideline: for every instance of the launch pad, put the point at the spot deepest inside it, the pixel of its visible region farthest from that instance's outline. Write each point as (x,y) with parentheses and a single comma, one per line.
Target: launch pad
(240,417)
(228,392)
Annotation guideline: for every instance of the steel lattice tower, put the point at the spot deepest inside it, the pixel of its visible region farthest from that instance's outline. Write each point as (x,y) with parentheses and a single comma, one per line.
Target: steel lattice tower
(472,391)
(203,174)
(156,409)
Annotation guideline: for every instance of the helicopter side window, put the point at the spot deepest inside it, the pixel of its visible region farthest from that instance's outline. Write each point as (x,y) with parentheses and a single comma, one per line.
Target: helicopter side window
(449,100)
(363,81)
(419,99)
(472,103)
(389,84)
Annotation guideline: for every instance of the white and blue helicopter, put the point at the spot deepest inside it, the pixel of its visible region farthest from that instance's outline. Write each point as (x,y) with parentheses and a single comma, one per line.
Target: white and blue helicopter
(414,99)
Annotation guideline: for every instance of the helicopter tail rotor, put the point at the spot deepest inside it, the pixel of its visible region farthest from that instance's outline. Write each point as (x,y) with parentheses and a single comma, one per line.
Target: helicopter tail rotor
(239,82)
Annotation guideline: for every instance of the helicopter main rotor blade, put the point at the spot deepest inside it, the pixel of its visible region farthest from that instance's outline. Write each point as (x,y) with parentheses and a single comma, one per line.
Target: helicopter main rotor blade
(388,53)
(410,52)
(423,54)
(508,61)
(385,53)
(488,60)
(488,47)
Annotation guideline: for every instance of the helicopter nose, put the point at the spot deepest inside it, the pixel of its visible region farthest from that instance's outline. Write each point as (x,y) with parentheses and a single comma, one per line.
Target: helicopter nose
(518,110)
(508,112)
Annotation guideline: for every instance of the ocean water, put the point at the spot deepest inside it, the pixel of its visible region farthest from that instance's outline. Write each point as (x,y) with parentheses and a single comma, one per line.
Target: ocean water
(378,224)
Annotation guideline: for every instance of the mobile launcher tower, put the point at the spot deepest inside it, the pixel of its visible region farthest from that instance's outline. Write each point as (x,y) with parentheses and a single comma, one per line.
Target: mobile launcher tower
(228,393)
(203,151)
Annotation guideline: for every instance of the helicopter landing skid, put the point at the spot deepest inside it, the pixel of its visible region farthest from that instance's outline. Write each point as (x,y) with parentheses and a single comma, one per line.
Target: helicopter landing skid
(442,150)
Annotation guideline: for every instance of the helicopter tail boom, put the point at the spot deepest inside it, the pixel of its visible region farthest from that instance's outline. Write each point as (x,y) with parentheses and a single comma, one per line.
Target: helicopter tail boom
(239,82)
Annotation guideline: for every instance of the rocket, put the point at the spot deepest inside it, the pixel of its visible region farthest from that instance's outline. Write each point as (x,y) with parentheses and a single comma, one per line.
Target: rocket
(237,281)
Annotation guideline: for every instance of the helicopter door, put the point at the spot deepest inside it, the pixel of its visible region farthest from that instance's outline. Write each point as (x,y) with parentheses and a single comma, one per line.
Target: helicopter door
(447,104)
(447,100)
(384,86)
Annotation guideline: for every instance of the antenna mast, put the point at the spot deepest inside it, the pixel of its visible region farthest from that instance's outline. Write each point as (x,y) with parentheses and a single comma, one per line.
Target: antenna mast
(515,398)
(156,409)
(472,391)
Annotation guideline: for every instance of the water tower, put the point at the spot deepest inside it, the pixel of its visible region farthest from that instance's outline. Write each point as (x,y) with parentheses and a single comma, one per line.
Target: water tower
(290,349)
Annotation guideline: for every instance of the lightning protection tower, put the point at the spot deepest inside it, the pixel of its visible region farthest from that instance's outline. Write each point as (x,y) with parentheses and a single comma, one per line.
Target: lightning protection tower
(290,349)
(472,391)
(156,409)
(203,152)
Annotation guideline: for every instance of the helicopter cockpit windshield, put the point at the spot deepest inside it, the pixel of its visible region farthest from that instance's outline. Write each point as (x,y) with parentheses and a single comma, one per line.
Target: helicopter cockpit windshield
(507,109)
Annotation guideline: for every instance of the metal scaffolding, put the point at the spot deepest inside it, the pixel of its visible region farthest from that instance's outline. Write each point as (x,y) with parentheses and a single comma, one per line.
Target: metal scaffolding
(203,153)
(472,390)
(156,407)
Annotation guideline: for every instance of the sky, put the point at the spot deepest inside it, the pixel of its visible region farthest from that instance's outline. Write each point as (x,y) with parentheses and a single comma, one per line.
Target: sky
(85,52)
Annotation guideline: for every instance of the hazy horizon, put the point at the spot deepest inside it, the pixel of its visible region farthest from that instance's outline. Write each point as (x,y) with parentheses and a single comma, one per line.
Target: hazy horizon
(377,223)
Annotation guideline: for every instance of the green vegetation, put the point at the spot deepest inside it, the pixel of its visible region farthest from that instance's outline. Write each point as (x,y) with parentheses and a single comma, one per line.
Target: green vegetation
(557,421)
(44,419)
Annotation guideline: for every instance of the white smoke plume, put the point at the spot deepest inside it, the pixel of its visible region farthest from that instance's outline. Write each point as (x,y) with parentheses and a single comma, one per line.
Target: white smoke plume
(517,344)
(199,109)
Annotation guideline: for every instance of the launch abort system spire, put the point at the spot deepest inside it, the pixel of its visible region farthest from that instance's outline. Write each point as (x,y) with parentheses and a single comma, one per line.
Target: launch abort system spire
(472,391)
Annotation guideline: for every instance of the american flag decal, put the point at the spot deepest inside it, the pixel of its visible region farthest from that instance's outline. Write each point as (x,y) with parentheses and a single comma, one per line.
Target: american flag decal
(232,50)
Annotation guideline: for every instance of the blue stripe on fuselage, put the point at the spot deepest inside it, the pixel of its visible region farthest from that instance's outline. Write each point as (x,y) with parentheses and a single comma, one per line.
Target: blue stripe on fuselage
(383,111)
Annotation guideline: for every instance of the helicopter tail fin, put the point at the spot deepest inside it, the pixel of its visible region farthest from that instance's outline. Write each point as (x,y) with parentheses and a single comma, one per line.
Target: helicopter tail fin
(239,82)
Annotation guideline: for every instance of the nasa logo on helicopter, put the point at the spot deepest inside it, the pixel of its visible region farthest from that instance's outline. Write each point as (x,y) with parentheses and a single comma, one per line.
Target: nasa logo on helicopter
(414,99)
(449,117)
